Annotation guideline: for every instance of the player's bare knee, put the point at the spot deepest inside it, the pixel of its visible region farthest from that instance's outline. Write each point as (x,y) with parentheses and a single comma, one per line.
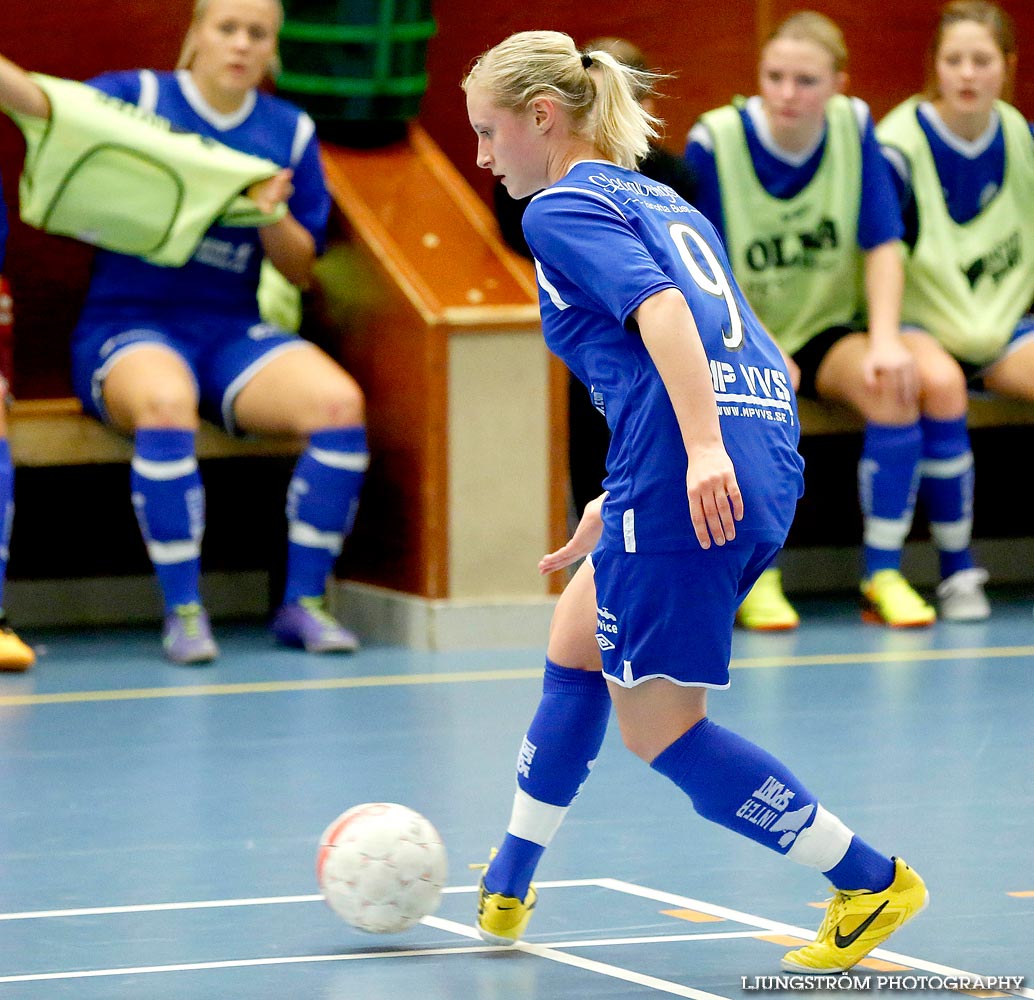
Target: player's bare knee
(167,408)
(944,393)
(345,406)
(888,409)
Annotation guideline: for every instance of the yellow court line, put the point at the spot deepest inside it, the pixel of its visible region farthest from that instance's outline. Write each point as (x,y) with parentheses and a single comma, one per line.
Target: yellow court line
(471,676)
(269,687)
(887,656)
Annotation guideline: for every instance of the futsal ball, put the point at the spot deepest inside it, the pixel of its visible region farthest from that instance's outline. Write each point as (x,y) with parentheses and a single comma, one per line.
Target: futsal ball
(381,867)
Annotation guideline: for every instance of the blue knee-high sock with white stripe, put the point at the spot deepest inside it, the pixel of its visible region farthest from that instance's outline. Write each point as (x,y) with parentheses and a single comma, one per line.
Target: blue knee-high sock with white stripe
(561,745)
(887,485)
(170,508)
(321,505)
(6,511)
(946,491)
(742,787)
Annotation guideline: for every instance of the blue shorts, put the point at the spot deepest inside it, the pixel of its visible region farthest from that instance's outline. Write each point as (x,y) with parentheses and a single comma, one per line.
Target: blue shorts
(810,356)
(670,614)
(223,352)
(1023,334)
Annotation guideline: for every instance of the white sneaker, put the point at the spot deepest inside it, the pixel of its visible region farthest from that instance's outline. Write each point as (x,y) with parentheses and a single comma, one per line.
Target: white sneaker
(962,596)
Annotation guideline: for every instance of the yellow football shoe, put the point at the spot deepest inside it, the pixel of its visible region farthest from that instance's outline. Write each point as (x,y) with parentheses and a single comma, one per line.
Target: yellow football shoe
(890,600)
(502,919)
(765,608)
(858,921)
(15,655)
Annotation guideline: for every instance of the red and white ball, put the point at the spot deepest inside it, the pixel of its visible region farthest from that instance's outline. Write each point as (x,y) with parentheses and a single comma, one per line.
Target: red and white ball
(381,867)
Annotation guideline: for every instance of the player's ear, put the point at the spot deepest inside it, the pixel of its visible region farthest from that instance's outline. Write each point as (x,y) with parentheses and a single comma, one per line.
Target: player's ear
(842,82)
(543,111)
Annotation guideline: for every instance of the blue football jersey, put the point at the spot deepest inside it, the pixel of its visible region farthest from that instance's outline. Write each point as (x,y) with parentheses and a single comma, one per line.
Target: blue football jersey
(782,176)
(604,240)
(970,173)
(223,274)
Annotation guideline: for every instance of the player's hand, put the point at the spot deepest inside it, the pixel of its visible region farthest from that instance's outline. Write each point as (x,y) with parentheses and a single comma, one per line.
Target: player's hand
(715,501)
(271,192)
(585,538)
(890,367)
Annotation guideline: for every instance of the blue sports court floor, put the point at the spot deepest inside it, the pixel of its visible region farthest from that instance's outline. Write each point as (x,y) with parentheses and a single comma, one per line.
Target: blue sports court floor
(159,825)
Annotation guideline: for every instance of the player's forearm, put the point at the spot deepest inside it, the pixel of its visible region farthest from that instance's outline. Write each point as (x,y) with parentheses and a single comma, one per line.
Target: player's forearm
(19,93)
(884,287)
(291,249)
(670,334)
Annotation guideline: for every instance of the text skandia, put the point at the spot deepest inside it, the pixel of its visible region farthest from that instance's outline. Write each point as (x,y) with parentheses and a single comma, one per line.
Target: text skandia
(612,185)
(762,383)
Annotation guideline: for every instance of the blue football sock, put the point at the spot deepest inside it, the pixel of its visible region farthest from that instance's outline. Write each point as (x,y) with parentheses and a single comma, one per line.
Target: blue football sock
(863,867)
(6,510)
(170,508)
(887,484)
(740,786)
(946,491)
(736,784)
(561,745)
(321,505)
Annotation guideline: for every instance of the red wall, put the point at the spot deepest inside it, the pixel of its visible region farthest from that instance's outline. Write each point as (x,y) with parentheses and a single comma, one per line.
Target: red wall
(48,274)
(711,49)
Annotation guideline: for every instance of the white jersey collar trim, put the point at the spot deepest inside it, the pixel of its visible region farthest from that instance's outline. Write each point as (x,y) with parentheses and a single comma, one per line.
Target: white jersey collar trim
(578,163)
(756,113)
(969,148)
(218,120)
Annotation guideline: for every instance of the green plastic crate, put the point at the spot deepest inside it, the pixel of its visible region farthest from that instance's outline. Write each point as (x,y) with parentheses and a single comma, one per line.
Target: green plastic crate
(357,66)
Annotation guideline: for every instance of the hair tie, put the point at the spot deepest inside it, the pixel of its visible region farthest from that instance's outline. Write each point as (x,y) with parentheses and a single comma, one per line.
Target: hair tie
(586,61)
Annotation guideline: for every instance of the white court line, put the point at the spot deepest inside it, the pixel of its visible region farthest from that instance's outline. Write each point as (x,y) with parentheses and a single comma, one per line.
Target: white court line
(550,950)
(781,928)
(613,971)
(547,951)
(564,883)
(654,939)
(241,963)
(206,904)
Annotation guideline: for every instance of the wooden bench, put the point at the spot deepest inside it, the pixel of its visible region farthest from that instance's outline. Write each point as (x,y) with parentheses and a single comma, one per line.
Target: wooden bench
(77,557)
(56,432)
(985,410)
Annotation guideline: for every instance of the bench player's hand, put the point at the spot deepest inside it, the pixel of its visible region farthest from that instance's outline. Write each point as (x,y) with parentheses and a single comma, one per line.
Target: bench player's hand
(273,190)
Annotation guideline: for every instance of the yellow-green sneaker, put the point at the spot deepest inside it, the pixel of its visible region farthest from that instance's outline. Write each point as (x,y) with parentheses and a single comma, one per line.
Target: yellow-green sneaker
(888,599)
(502,919)
(765,608)
(15,655)
(858,921)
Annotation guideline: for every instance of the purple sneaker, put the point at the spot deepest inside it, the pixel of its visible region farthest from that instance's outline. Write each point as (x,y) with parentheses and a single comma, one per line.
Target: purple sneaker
(307,624)
(187,636)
